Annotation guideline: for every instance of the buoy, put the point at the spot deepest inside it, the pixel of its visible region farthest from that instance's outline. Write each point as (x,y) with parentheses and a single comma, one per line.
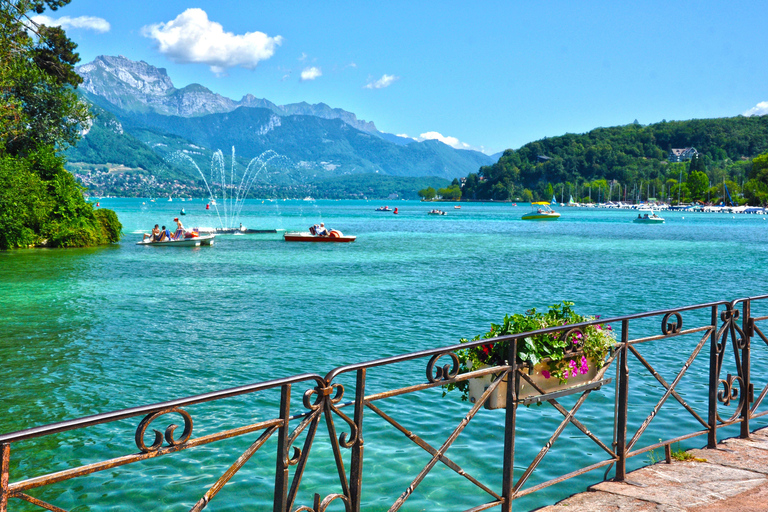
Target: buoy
(208,206)
(683,218)
(395,210)
(97,205)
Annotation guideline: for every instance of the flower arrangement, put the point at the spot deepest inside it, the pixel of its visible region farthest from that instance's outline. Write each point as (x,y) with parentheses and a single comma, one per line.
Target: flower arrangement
(565,357)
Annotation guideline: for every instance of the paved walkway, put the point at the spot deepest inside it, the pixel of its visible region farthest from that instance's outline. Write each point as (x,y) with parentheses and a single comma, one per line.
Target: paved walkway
(731,478)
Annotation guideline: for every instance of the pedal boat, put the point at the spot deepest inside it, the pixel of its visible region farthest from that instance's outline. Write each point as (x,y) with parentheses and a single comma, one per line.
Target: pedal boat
(182,242)
(649,219)
(542,212)
(306,236)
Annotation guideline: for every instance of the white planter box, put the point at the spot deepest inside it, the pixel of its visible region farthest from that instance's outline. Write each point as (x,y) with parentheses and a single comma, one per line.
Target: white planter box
(498,399)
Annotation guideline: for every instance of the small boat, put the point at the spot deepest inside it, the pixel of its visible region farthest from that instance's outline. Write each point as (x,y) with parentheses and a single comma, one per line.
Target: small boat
(383,209)
(542,212)
(196,241)
(649,219)
(457,207)
(306,236)
(436,212)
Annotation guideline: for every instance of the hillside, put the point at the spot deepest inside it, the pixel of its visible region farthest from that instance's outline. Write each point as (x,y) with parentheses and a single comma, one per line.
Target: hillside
(144,122)
(609,160)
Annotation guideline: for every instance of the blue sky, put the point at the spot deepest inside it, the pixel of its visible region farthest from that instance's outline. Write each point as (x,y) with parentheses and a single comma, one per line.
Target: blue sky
(489,75)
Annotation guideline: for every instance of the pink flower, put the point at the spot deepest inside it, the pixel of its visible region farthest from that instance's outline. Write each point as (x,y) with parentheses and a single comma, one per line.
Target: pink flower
(584,365)
(546,374)
(572,364)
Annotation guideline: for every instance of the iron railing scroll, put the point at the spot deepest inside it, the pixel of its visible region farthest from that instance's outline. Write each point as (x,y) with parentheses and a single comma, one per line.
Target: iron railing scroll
(728,332)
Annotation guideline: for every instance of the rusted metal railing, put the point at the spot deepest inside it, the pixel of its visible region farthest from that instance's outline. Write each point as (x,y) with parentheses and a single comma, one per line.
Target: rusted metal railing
(322,400)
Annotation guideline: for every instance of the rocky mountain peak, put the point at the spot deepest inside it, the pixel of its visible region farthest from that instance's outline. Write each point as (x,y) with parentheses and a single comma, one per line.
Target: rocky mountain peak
(141,87)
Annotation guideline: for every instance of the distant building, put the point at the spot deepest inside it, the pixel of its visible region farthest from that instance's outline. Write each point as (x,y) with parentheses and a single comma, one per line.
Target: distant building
(682,154)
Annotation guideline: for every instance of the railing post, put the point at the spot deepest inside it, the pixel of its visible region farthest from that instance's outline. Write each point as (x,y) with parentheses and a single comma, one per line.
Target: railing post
(746,411)
(356,466)
(513,382)
(281,471)
(5,461)
(714,382)
(621,410)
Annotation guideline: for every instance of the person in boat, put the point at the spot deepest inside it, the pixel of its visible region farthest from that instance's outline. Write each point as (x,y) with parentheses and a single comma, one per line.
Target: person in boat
(155,236)
(179,234)
(165,234)
(320,230)
(638,216)
(645,216)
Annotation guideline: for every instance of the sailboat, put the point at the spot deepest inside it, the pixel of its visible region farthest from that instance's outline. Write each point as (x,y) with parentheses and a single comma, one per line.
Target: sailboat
(554,200)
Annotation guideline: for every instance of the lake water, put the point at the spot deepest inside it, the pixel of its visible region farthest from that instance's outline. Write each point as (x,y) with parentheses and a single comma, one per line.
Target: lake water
(94,330)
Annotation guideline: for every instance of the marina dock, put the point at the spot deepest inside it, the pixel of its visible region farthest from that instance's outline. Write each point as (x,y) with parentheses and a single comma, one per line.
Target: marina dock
(730,478)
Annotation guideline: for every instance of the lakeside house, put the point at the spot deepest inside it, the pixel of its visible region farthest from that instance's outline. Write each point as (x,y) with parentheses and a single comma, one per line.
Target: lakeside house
(682,154)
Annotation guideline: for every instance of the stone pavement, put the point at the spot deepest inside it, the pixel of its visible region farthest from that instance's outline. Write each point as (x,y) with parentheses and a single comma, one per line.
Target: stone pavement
(731,478)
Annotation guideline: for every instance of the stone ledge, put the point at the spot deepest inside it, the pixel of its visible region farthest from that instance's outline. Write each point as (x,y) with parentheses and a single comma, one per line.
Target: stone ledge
(733,478)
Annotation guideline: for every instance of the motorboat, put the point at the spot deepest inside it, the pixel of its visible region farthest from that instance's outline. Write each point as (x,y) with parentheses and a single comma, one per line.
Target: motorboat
(651,218)
(436,212)
(457,207)
(192,241)
(542,212)
(306,236)
(383,209)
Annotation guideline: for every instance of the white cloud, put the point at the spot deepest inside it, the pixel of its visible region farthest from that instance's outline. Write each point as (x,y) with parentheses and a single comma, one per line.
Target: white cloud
(384,81)
(760,109)
(451,141)
(193,38)
(310,73)
(66,22)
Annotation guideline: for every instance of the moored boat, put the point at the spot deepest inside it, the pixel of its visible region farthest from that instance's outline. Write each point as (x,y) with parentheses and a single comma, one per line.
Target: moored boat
(306,236)
(383,209)
(542,212)
(436,212)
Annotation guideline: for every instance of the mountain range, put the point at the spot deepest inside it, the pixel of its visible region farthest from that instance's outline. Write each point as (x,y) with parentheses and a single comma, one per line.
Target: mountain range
(142,119)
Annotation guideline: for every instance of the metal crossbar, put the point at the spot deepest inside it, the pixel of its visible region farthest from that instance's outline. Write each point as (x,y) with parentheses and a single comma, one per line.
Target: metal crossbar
(729,331)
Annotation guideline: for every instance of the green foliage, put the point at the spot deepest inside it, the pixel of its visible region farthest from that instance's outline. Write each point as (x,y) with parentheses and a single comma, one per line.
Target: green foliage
(632,158)
(24,204)
(111,228)
(40,202)
(697,183)
(591,343)
(428,193)
(452,193)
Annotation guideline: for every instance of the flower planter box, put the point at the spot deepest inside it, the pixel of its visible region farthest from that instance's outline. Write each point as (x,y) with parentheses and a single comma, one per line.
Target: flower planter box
(498,399)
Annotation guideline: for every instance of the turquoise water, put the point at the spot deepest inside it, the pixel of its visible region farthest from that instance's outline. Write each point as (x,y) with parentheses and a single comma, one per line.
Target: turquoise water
(94,330)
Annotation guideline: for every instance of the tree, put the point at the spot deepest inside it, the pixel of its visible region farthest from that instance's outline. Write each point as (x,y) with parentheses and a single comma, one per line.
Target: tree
(428,193)
(41,115)
(452,193)
(697,185)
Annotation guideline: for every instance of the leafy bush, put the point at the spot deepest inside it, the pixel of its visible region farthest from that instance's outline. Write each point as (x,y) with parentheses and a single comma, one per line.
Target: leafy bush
(111,229)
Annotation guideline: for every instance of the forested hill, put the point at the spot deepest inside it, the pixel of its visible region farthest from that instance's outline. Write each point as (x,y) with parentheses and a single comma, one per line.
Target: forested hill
(627,154)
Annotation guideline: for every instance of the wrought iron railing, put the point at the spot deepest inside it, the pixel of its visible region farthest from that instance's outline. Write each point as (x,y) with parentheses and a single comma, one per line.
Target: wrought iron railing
(728,325)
